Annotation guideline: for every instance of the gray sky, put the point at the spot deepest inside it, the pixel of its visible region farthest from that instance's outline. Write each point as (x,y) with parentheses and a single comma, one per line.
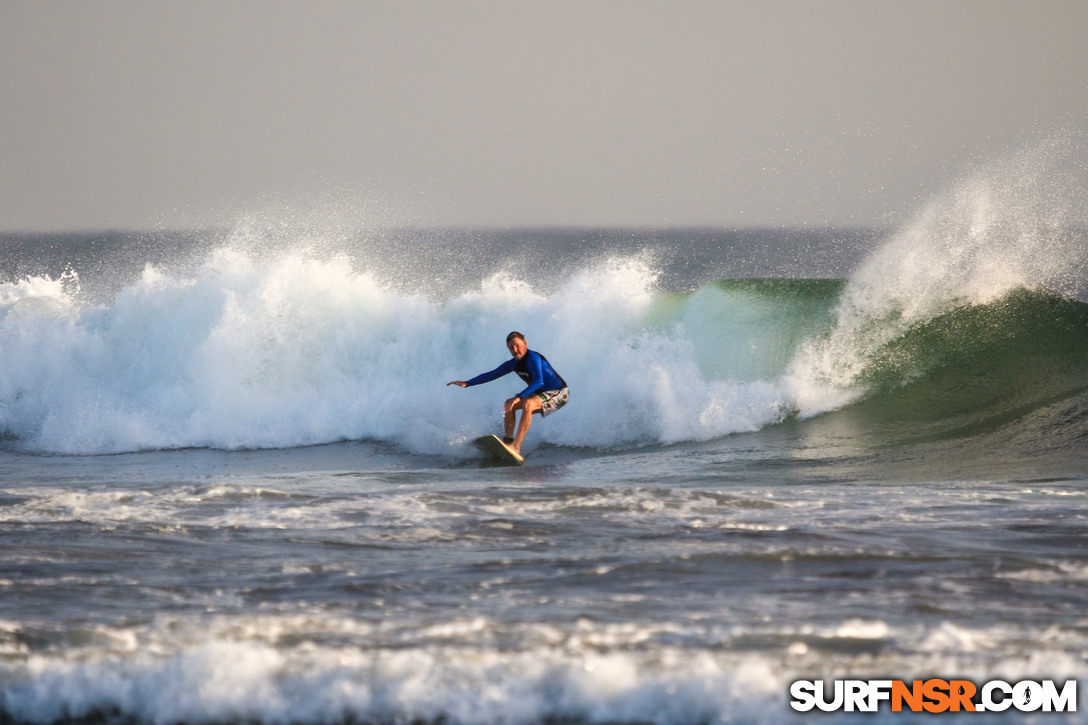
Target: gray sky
(571,112)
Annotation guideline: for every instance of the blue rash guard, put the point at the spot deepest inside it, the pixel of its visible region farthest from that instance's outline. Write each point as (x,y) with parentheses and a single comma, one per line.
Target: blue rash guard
(533,368)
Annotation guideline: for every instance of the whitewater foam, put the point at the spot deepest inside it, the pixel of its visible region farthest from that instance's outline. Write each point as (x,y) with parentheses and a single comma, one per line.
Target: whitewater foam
(290,350)
(590,672)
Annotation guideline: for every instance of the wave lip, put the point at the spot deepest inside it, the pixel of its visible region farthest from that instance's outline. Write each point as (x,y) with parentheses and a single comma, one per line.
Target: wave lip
(1018,226)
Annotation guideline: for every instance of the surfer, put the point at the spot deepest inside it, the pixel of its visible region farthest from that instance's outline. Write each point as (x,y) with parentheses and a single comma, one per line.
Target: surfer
(545,392)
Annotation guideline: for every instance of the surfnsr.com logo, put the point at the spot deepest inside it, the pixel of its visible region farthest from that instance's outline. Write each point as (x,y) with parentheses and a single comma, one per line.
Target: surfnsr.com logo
(934,695)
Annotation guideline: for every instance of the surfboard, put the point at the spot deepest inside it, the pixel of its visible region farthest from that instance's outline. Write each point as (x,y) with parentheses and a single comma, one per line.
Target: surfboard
(498,450)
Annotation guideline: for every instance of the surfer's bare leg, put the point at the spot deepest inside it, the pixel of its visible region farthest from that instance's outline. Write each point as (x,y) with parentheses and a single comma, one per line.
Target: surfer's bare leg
(508,424)
(527,408)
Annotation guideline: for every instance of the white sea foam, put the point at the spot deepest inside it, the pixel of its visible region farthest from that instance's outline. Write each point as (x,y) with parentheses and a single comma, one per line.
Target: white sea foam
(409,516)
(277,669)
(288,350)
(260,683)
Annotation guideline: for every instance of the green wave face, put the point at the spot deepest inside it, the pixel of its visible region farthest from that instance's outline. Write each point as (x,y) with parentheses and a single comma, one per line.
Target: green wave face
(747,329)
(1003,383)
(971,368)
(1026,348)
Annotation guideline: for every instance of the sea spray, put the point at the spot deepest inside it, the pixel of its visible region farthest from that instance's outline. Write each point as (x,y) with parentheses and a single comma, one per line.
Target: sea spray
(285,350)
(1018,224)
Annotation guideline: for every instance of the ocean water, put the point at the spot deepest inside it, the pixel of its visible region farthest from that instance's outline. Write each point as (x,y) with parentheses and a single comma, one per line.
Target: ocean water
(234,487)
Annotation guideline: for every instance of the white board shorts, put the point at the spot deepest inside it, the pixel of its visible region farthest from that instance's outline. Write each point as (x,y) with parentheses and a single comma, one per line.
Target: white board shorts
(553,400)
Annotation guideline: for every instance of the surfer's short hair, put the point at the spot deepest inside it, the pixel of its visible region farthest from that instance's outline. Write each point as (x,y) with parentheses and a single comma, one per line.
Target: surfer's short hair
(515,335)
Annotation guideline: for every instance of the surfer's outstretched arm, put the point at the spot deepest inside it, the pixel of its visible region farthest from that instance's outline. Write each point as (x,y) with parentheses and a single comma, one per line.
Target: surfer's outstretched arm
(506,367)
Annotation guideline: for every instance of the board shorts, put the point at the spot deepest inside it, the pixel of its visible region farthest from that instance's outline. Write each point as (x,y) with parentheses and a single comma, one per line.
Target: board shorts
(552,400)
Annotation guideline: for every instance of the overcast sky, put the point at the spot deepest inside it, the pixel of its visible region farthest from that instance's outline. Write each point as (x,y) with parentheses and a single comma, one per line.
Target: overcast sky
(756,112)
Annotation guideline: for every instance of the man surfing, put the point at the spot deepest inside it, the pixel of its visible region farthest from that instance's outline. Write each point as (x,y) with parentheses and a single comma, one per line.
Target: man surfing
(545,392)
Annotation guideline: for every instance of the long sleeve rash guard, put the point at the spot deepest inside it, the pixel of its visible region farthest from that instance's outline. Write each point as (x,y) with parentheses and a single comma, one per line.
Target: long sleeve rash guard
(534,369)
